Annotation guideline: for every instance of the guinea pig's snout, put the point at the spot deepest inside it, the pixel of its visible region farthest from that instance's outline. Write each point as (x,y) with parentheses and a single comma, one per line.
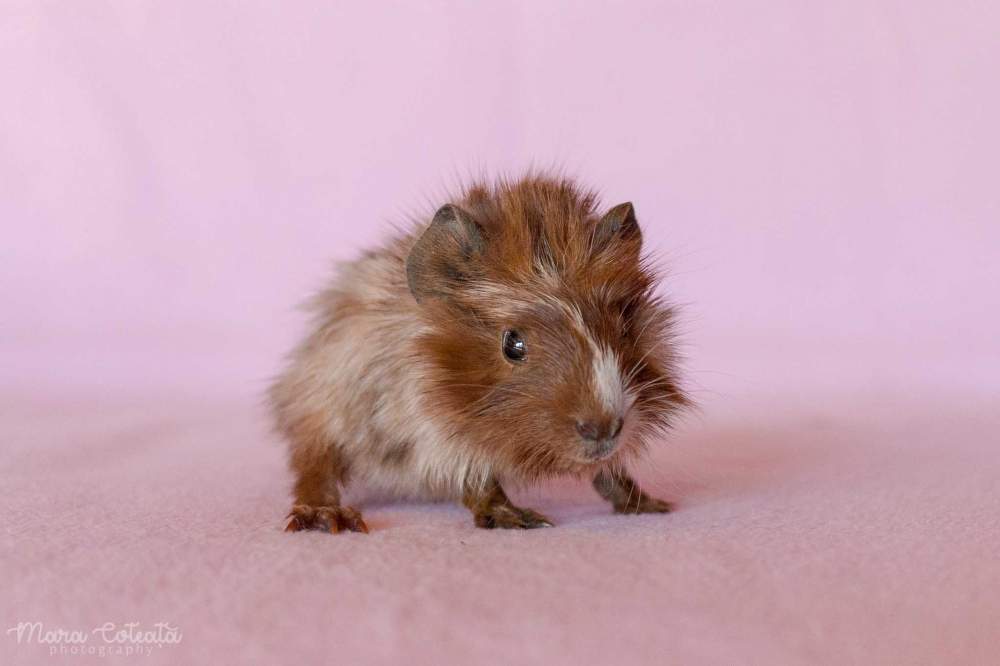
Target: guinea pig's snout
(600,436)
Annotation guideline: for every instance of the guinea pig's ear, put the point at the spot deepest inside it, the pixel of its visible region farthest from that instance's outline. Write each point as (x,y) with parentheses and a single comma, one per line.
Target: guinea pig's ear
(445,255)
(618,227)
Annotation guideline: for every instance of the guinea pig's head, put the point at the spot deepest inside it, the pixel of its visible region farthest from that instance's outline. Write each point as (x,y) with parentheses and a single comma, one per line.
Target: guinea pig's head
(544,339)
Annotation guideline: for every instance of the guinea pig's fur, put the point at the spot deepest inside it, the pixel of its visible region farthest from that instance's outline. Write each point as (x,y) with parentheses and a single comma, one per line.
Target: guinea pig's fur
(513,336)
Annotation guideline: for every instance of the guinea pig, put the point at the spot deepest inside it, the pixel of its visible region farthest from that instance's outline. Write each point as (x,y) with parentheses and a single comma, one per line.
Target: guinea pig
(514,336)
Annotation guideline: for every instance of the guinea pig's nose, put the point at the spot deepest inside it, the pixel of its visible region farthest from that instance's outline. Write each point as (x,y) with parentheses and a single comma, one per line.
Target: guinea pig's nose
(596,431)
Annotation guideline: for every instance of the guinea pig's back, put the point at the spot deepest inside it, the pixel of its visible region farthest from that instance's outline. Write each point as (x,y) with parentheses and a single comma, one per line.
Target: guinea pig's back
(364,322)
(359,383)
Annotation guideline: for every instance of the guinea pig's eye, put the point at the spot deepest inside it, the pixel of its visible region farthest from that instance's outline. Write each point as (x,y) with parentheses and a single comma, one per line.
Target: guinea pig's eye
(513,346)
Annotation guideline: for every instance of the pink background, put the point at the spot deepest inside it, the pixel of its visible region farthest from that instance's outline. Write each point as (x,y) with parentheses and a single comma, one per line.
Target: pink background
(820,179)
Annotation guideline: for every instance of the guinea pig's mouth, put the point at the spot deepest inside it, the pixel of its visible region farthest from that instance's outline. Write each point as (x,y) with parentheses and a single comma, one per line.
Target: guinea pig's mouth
(600,451)
(588,461)
(594,453)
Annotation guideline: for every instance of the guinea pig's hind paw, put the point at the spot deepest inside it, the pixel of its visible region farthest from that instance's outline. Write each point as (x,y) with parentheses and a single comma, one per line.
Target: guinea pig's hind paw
(325,519)
(511,518)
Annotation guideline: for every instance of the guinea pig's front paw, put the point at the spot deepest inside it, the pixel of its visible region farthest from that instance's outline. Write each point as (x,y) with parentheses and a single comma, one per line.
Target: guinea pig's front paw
(507,516)
(644,504)
(325,519)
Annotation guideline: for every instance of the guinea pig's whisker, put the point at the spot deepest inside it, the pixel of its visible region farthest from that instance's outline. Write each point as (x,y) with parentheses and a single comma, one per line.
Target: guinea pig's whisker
(645,326)
(636,369)
(654,383)
(494,389)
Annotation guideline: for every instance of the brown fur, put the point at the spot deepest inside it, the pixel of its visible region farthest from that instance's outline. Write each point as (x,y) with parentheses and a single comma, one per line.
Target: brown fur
(403,382)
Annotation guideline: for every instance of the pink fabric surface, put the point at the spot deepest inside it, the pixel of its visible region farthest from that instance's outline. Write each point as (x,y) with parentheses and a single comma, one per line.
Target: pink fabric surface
(819,179)
(827,530)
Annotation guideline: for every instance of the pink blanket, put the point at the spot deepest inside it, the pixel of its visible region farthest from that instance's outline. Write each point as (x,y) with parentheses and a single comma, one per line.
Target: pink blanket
(819,530)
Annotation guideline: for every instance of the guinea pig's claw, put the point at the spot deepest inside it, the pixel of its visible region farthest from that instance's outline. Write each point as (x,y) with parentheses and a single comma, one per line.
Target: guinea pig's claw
(539,520)
(645,504)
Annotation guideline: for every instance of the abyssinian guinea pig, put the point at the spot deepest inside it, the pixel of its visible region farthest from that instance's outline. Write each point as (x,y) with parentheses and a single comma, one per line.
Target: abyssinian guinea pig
(515,335)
